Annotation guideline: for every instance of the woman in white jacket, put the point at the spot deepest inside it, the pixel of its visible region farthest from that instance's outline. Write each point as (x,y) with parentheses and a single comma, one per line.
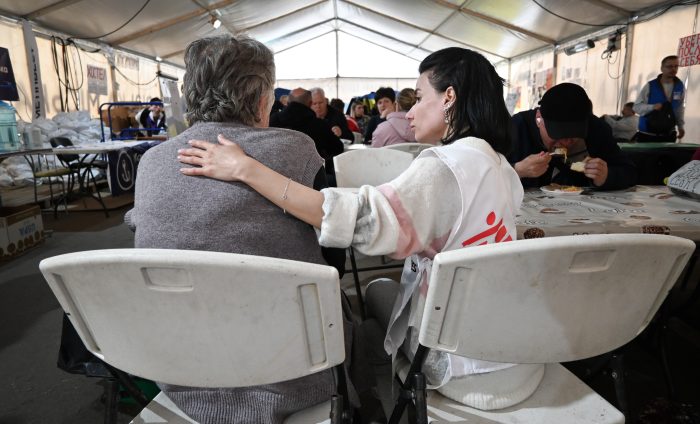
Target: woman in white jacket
(396,129)
(461,194)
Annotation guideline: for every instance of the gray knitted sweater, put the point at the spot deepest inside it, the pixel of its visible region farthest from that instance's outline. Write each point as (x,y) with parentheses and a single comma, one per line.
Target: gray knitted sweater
(173,211)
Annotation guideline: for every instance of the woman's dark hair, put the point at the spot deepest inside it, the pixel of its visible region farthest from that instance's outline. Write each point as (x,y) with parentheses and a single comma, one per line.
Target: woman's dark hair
(479,109)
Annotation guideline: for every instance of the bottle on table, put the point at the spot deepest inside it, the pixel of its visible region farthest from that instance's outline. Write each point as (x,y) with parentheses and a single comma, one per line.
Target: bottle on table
(9,137)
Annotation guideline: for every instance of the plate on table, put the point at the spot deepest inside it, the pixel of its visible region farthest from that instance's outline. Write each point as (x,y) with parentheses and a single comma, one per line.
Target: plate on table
(562,189)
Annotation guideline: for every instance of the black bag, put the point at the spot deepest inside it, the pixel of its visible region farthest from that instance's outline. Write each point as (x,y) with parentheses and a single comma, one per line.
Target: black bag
(661,121)
(73,356)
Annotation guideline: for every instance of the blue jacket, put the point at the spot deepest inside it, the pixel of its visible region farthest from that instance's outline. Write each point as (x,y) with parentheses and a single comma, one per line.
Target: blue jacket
(657,95)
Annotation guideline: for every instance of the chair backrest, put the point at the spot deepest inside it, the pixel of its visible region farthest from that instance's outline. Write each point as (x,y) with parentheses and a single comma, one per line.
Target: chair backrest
(202,319)
(551,299)
(412,148)
(356,168)
(64,142)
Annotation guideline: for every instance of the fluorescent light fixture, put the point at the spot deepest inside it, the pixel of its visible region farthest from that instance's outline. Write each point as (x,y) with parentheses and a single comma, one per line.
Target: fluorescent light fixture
(159,59)
(577,48)
(215,22)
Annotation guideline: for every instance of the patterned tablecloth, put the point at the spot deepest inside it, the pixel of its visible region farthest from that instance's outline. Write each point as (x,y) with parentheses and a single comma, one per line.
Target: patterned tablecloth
(640,209)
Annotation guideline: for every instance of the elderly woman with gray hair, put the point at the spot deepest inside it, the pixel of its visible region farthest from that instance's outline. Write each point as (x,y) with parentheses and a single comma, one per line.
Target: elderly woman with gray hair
(228,87)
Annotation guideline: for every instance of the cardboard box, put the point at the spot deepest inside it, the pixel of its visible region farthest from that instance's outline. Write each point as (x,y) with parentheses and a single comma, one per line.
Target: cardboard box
(20,229)
(122,117)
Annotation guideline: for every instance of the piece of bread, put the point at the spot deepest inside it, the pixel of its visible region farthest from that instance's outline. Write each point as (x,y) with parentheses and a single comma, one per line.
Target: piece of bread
(578,166)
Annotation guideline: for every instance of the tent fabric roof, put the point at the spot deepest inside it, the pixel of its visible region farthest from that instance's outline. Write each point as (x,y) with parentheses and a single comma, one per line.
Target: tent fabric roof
(499,29)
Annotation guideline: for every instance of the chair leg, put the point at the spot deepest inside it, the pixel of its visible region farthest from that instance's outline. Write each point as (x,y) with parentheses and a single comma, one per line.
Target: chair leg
(36,197)
(111,395)
(413,391)
(64,195)
(129,385)
(420,401)
(618,375)
(665,365)
(358,287)
(341,408)
(97,191)
(336,409)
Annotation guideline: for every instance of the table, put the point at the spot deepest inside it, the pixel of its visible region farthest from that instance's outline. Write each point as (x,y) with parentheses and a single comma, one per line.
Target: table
(4,154)
(640,209)
(656,161)
(96,148)
(123,157)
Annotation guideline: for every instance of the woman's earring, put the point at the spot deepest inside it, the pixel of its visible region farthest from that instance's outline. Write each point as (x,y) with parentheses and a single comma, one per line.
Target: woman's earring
(445,111)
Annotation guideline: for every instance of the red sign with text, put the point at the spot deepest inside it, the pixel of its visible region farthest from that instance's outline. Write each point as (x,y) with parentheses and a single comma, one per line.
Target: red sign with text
(689,50)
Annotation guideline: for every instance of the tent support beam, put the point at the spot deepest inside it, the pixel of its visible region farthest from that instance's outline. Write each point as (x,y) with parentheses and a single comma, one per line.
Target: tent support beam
(284,16)
(384,47)
(303,42)
(498,22)
(170,22)
(414,26)
(48,9)
(337,48)
(211,10)
(624,92)
(604,4)
(273,40)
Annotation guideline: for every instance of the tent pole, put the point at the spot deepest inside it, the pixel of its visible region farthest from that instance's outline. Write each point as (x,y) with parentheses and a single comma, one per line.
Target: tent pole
(337,67)
(627,67)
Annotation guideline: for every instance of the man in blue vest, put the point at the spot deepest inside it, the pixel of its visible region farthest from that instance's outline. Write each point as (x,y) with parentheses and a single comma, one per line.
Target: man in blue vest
(664,94)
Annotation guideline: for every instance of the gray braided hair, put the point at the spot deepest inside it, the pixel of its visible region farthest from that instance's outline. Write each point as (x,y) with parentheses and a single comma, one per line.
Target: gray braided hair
(225,79)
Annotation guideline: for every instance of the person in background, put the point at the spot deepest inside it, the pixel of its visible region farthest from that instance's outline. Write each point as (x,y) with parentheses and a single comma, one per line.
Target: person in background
(384,99)
(357,112)
(152,117)
(298,116)
(565,120)
(665,93)
(396,129)
(277,106)
(334,118)
(623,126)
(339,105)
(448,194)
(229,83)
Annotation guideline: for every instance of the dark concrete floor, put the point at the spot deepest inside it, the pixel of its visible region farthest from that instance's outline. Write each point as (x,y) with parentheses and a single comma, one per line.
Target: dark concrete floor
(34,390)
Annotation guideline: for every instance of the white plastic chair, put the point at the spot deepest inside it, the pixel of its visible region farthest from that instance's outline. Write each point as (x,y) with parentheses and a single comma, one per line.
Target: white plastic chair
(547,301)
(192,318)
(412,148)
(373,167)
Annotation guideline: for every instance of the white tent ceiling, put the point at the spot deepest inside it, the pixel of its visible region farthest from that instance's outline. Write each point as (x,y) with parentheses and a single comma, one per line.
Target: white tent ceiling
(500,29)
